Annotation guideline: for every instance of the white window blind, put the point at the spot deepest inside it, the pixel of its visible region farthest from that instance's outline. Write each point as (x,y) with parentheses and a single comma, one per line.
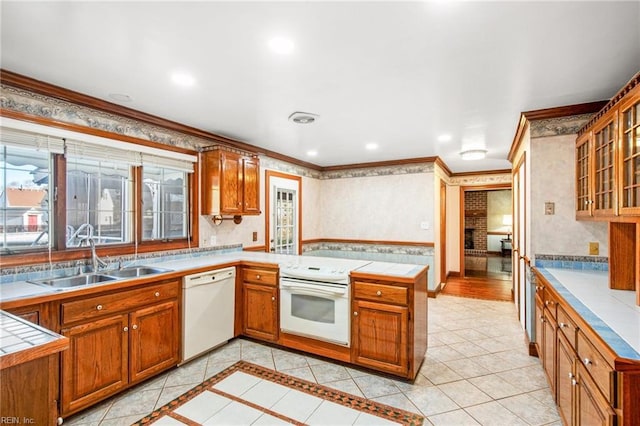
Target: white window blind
(169,163)
(23,139)
(89,151)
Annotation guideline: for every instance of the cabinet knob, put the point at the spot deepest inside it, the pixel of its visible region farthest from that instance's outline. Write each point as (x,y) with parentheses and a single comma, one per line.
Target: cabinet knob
(273,298)
(587,361)
(562,325)
(571,375)
(99,307)
(258,277)
(355,314)
(378,293)
(574,382)
(126,329)
(134,326)
(157,294)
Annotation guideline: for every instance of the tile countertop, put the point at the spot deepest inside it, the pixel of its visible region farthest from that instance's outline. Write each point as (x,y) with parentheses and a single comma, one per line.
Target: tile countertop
(23,289)
(613,314)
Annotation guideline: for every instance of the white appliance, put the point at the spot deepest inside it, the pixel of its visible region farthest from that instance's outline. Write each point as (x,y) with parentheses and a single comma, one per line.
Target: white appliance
(208,311)
(315,299)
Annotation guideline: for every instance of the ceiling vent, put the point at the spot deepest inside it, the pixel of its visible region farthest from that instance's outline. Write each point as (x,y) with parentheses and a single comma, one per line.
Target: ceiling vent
(303,117)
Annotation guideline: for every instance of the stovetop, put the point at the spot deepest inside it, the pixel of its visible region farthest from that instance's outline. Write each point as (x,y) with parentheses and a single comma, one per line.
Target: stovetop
(321,269)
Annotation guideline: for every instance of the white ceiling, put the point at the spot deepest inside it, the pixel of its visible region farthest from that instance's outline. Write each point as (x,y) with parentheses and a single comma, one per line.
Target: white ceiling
(395,73)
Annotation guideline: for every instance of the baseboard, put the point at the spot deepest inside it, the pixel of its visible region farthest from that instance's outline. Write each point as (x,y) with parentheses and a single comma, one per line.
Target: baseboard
(533,349)
(434,293)
(453,274)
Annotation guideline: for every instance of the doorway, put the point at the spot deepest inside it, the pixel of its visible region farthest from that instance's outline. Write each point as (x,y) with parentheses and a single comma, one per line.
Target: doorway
(283,222)
(486,243)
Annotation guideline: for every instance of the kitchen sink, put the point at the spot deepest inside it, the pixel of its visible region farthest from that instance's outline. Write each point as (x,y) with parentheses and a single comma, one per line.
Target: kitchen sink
(135,271)
(75,281)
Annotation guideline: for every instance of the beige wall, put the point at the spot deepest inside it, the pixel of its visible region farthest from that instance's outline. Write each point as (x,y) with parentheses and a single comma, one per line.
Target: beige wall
(498,205)
(553,180)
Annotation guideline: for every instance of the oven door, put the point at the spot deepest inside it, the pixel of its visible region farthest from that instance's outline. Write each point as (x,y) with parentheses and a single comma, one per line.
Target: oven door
(315,310)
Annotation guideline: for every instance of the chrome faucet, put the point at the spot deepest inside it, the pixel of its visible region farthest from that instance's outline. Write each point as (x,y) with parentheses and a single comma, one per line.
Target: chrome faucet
(96,262)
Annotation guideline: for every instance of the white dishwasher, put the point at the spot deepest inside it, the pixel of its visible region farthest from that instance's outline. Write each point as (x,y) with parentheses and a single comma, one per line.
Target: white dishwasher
(207,310)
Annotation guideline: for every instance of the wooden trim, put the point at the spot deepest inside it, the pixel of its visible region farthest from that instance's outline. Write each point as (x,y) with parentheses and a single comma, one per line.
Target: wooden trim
(255,248)
(59,203)
(549,113)
(533,349)
(378,242)
(453,274)
(443,232)
(434,293)
(267,197)
(443,166)
(137,202)
(484,172)
(381,164)
(499,233)
(631,84)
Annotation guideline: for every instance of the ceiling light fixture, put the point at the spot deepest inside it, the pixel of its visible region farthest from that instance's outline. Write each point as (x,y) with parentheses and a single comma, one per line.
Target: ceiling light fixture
(474,154)
(312,153)
(444,137)
(300,117)
(120,97)
(183,79)
(371,146)
(281,45)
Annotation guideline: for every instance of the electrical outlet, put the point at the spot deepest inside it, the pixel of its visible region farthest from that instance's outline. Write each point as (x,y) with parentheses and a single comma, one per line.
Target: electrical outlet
(594,248)
(255,236)
(549,208)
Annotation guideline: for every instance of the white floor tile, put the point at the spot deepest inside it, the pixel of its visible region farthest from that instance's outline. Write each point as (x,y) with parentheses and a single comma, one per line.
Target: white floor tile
(366,419)
(237,383)
(332,414)
(203,406)
(297,405)
(265,394)
(269,420)
(167,421)
(235,413)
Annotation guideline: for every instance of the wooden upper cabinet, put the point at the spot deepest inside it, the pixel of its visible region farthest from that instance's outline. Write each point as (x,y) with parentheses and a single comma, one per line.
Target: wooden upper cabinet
(629,191)
(230,183)
(608,159)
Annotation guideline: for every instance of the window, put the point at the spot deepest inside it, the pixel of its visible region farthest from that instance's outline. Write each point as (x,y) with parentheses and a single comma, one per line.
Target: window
(25,208)
(104,181)
(98,202)
(164,204)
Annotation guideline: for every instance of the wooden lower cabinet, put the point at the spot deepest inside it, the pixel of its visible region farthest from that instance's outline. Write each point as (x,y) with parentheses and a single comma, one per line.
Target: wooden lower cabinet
(260,296)
(95,365)
(592,409)
(111,351)
(549,348)
(565,380)
(380,332)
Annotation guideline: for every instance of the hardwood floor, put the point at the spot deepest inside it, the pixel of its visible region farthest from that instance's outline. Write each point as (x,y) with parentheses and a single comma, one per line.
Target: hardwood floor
(478,288)
(486,278)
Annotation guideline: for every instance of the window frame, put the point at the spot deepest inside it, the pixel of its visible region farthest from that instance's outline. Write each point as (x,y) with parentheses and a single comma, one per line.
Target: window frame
(60,253)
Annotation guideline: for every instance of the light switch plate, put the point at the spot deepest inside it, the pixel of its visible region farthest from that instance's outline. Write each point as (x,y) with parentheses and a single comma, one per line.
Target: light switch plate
(424,225)
(549,208)
(594,248)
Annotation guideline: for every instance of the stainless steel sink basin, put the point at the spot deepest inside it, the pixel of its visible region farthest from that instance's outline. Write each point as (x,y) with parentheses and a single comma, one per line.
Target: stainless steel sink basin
(135,271)
(75,281)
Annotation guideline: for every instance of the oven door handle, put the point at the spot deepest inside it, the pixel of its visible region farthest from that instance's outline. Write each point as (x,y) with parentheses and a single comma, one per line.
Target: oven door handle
(299,288)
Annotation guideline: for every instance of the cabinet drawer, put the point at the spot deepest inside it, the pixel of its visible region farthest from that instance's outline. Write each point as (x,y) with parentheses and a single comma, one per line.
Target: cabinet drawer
(259,276)
(550,302)
(97,306)
(380,293)
(594,363)
(567,326)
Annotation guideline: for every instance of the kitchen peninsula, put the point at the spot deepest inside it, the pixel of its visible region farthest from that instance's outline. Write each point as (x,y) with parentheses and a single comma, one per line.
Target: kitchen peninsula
(384,299)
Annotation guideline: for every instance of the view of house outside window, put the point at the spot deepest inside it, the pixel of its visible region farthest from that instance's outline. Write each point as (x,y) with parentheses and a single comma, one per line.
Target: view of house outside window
(98,202)
(25,176)
(164,203)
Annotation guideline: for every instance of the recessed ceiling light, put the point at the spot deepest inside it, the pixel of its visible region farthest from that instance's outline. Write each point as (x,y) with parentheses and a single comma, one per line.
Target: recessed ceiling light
(120,97)
(312,153)
(474,154)
(444,137)
(183,79)
(300,117)
(281,45)
(371,146)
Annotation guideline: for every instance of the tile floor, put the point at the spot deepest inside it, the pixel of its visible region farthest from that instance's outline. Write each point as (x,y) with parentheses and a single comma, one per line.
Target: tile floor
(477,372)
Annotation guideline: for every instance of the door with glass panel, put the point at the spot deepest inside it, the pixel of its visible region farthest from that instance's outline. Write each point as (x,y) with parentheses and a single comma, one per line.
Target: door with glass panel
(284,215)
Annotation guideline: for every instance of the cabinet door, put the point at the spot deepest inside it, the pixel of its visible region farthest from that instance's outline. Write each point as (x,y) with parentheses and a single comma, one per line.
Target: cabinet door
(630,156)
(583,176)
(549,350)
(230,183)
(565,378)
(153,340)
(592,408)
(604,196)
(379,336)
(251,184)
(95,365)
(261,311)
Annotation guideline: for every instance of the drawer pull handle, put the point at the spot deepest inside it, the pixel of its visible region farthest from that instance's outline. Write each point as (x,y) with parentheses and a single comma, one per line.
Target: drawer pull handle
(378,293)
(157,294)
(587,361)
(99,307)
(126,329)
(134,326)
